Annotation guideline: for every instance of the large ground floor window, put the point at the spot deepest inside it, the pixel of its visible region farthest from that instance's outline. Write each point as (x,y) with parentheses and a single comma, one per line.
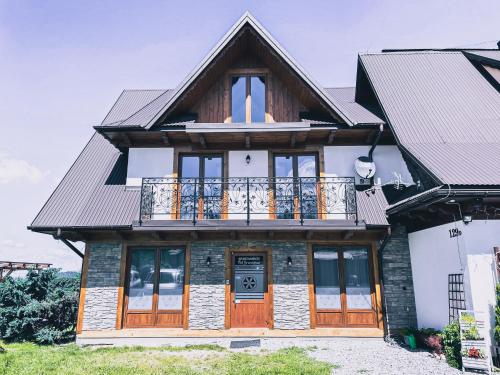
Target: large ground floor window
(343,286)
(155,287)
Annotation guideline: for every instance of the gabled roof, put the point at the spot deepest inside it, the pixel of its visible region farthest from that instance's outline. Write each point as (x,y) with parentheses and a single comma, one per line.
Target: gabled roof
(247,20)
(492,54)
(358,114)
(442,111)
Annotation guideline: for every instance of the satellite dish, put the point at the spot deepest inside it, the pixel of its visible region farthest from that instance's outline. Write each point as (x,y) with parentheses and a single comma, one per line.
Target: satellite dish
(365,167)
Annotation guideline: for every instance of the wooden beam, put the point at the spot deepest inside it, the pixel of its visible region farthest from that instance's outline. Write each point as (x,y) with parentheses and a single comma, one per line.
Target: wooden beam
(233,234)
(126,140)
(194,235)
(165,139)
(248,144)
(309,234)
(270,234)
(331,137)
(293,140)
(347,235)
(202,140)
(155,236)
(371,136)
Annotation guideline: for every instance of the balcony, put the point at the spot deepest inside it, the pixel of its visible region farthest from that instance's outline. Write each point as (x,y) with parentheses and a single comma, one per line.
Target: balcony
(247,199)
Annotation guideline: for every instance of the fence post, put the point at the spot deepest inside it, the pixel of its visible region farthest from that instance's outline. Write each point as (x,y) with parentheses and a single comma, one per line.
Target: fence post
(248,201)
(195,201)
(300,202)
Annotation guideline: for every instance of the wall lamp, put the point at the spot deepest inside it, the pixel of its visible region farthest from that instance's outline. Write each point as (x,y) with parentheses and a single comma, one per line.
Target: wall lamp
(289,261)
(467,219)
(248,159)
(209,261)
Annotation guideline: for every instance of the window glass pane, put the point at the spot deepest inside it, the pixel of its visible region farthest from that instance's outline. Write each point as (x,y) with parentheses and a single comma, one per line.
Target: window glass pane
(326,279)
(213,166)
(171,279)
(284,166)
(141,279)
(284,187)
(308,198)
(357,279)
(258,95)
(190,166)
(238,97)
(212,187)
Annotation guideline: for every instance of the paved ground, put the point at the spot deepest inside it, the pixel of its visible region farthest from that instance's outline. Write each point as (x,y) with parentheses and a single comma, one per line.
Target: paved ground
(365,356)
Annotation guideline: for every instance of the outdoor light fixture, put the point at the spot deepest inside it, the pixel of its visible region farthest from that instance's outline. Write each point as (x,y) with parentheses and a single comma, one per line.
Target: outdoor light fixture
(289,261)
(209,261)
(248,158)
(467,219)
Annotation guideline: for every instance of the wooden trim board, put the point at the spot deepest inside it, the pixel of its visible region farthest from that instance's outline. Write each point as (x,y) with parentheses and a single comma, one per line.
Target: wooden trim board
(83,287)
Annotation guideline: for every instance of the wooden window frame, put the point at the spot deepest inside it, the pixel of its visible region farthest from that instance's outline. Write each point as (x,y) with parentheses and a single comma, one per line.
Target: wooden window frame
(248,74)
(184,311)
(375,292)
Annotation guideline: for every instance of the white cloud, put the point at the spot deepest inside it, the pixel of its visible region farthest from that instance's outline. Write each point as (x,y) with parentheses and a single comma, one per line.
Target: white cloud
(14,170)
(13,244)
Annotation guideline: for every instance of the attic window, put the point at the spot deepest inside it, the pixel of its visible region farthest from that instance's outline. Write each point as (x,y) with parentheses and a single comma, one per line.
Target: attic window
(248,99)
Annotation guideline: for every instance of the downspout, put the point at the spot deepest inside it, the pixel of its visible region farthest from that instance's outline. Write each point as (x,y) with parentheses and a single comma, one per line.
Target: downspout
(375,142)
(57,236)
(381,275)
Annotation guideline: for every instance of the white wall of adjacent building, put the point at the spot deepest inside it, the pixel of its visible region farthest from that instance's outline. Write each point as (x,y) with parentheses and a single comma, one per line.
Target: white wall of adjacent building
(435,255)
(339,162)
(149,162)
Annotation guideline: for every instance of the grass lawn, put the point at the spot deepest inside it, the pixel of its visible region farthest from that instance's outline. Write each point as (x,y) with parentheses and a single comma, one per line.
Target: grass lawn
(30,359)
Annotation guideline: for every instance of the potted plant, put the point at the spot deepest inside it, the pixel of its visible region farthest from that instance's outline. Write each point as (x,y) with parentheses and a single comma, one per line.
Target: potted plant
(473,357)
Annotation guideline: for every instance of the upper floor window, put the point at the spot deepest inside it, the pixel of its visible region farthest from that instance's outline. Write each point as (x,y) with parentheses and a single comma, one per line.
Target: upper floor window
(248,99)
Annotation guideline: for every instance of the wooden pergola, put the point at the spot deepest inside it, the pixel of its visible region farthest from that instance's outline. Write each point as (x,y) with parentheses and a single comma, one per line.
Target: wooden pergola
(7,267)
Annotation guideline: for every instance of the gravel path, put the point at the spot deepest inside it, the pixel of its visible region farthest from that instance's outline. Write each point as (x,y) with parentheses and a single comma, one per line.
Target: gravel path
(365,356)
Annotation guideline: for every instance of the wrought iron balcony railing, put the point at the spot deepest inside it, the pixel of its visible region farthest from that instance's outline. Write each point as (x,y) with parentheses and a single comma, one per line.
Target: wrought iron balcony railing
(248,198)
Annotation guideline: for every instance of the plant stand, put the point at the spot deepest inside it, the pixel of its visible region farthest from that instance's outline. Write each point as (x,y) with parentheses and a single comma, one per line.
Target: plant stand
(475,353)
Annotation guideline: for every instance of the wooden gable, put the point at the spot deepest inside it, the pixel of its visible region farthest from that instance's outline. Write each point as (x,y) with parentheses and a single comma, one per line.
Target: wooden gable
(288,93)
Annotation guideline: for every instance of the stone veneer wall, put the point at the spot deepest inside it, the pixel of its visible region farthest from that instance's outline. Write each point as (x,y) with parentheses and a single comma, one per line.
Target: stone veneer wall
(290,289)
(207,291)
(399,298)
(101,295)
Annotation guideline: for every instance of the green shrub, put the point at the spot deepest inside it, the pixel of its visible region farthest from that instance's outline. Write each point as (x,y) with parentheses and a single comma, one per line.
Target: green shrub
(41,307)
(451,343)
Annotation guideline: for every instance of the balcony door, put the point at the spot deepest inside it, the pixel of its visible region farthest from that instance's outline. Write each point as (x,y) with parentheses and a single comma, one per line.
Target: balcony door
(155,287)
(343,287)
(296,180)
(201,187)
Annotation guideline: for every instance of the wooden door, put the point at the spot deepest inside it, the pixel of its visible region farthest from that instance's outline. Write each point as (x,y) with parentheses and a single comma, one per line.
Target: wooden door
(343,287)
(250,298)
(155,287)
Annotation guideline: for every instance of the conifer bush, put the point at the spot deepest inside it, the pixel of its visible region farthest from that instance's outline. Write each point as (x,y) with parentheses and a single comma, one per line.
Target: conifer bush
(41,307)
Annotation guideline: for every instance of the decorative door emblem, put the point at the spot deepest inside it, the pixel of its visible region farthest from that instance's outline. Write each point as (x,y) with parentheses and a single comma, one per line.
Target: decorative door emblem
(249,282)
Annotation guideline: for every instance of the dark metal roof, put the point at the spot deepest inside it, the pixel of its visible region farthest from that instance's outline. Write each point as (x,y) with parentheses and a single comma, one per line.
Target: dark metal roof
(128,103)
(93,194)
(492,54)
(358,114)
(442,111)
(371,207)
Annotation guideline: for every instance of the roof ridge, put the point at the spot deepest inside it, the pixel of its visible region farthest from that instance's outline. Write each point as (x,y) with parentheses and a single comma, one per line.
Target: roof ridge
(423,52)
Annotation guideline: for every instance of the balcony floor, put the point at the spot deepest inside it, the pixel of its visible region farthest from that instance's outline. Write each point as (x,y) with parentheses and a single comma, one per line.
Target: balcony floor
(253,225)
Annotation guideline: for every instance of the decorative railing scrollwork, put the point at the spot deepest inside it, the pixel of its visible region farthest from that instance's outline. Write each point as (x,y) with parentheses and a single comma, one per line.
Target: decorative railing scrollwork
(248,198)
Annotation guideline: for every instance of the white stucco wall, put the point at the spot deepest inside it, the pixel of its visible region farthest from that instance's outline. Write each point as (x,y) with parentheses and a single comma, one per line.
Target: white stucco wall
(238,167)
(257,167)
(434,255)
(149,162)
(339,162)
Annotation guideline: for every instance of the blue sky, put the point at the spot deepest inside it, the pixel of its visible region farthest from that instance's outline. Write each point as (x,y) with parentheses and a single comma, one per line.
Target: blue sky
(63,64)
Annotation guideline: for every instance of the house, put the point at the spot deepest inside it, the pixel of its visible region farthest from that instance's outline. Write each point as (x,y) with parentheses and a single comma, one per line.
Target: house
(252,201)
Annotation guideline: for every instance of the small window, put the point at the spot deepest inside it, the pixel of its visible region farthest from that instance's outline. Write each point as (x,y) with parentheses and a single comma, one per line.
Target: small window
(248,99)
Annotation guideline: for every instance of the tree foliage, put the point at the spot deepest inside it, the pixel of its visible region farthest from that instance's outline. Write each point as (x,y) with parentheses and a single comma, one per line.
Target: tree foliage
(40,307)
